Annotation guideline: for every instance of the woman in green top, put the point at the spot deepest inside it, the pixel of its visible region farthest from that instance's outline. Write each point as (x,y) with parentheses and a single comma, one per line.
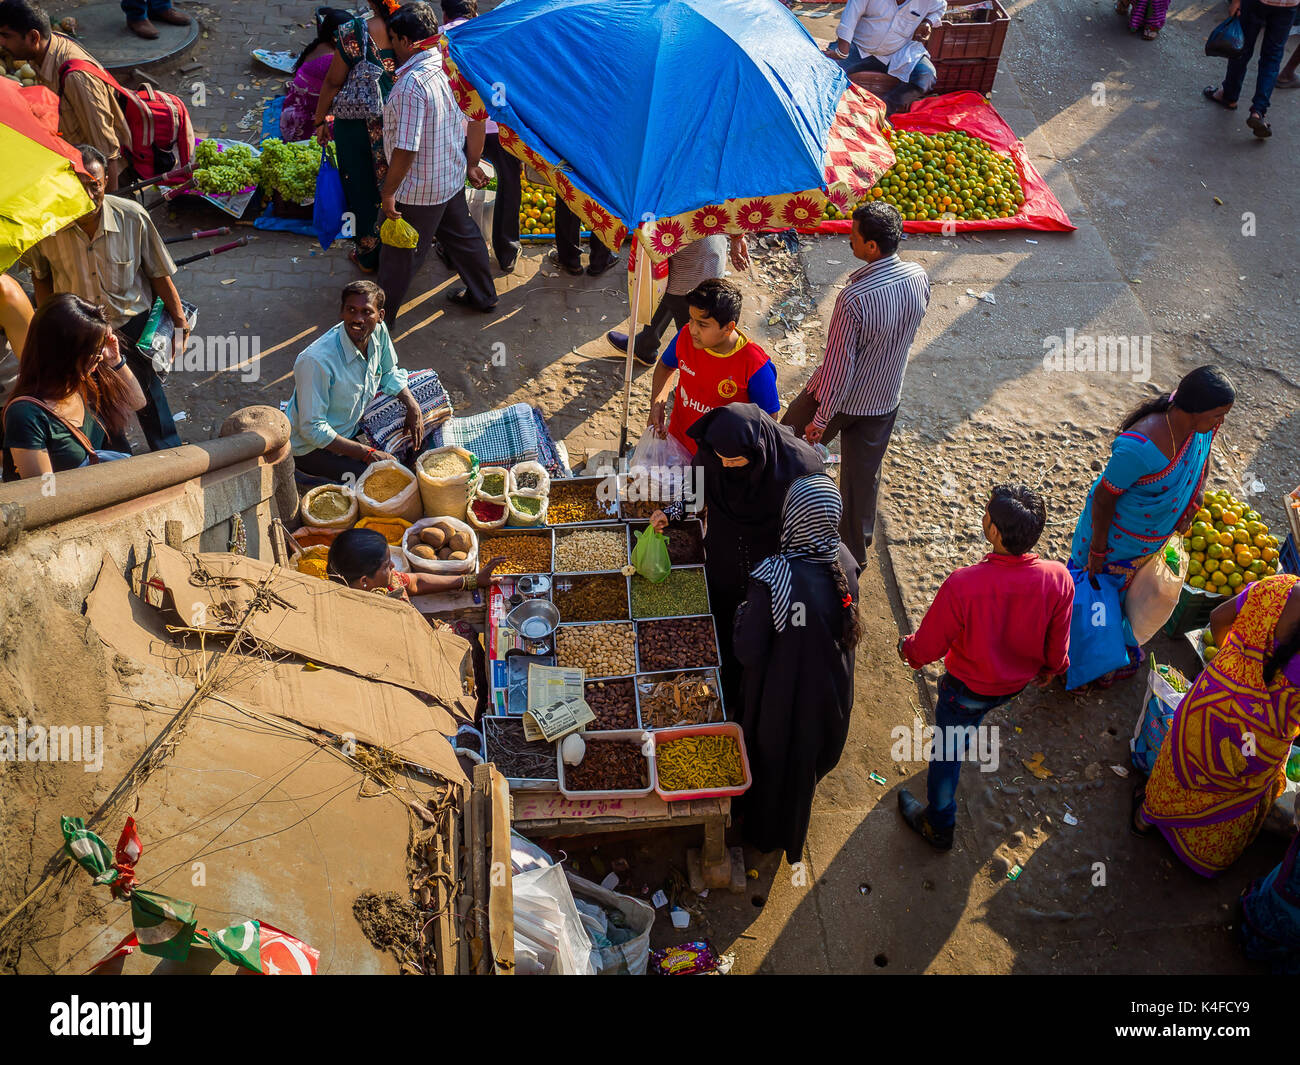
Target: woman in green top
(360,141)
(74,387)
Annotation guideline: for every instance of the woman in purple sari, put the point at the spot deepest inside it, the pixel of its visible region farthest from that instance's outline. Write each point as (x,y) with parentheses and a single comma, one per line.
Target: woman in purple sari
(297,119)
(1151,487)
(1145,15)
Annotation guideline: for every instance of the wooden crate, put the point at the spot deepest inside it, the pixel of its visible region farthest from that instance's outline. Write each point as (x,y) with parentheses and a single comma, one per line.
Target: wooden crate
(975,75)
(970,40)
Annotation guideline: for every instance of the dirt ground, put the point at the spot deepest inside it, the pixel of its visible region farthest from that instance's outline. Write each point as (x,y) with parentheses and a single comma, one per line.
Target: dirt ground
(1154,255)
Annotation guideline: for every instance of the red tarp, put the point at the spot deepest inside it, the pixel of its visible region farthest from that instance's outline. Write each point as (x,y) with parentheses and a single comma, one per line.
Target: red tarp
(972,113)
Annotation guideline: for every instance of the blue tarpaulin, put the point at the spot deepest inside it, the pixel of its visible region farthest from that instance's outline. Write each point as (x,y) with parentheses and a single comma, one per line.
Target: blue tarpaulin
(658,106)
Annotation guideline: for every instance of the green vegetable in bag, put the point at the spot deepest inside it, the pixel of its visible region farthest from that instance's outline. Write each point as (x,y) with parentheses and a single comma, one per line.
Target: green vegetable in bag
(650,555)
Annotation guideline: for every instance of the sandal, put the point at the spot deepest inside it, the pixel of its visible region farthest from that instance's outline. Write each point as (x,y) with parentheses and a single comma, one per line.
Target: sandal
(1150,33)
(355,261)
(1122,6)
(1260,127)
(1135,813)
(1211,93)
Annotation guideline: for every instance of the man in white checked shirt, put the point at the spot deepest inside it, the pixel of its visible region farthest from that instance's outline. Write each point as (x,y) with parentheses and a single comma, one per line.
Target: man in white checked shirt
(425,141)
(855,390)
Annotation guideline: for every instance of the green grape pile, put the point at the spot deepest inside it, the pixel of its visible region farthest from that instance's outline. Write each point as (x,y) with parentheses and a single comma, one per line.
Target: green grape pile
(290,169)
(228,171)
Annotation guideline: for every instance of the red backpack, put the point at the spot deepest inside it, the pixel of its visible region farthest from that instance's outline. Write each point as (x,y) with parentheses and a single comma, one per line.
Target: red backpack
(162,138)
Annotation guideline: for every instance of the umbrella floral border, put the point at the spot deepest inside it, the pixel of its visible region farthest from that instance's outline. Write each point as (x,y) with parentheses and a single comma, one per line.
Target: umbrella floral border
(857,155)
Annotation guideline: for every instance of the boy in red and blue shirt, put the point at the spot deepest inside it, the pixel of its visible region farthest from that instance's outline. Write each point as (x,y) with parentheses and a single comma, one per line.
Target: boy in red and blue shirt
(714,362)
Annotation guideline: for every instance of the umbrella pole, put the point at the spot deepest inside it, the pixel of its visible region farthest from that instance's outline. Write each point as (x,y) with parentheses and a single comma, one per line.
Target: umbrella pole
(638,283)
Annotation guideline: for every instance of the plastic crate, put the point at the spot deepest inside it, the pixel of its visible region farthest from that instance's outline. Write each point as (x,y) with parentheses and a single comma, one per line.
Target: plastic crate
(1192,612)
(975,75)
(970,40)
(722,728)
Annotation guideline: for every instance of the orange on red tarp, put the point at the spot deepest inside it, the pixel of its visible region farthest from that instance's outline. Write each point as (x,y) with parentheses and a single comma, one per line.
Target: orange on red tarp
(972,113)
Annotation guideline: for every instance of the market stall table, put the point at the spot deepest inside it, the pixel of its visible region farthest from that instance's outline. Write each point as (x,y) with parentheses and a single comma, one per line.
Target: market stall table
(549,815)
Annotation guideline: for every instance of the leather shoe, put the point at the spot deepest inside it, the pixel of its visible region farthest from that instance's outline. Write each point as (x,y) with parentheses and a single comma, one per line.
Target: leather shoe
(613,262)
(172,17)
(553,257)
(618,341)
(914,814)
(461,298)
(143,28)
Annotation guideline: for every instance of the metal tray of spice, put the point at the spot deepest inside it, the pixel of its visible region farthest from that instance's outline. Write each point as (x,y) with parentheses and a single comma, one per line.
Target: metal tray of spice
(582,501)
(568,533)
(702,637)
(683,594)
(600,765)
(528,765)
(679,697)
(613,701)
(584,597)
(595,668)
(517,567)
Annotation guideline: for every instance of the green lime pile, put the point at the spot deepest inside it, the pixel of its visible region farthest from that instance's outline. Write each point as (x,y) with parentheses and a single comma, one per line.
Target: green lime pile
(946,175)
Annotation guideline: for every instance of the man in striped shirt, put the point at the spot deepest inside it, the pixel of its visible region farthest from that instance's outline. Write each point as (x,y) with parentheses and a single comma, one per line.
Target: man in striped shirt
(425,141)
(855,390)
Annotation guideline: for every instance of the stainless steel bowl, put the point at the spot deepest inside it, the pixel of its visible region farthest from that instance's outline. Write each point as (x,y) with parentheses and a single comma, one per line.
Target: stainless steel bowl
(534,619)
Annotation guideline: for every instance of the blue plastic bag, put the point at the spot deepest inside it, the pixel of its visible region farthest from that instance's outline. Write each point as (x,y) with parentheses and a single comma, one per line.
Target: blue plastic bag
(1227,40)
(1096,628)
(327,212)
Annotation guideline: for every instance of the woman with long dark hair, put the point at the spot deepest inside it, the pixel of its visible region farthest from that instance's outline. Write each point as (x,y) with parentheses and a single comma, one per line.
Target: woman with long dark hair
(1152,485)
(74,391)
(363,43)
(297,118)
(1223,764)
(795,637)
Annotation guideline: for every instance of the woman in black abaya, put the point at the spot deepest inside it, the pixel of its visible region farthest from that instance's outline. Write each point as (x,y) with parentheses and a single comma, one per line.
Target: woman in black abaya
(795,637)
(748,463)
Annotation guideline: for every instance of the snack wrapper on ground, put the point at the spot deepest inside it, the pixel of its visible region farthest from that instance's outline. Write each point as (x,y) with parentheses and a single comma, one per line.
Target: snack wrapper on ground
(685,959)
(398,233)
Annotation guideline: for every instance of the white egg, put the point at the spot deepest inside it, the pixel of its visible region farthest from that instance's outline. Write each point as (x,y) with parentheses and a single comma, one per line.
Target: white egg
(573,750)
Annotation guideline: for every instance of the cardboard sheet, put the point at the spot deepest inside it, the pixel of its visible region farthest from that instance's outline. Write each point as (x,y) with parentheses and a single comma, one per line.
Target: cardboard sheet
(322,698)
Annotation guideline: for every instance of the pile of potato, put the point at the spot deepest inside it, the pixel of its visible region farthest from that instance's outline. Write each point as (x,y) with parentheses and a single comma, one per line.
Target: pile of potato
(442,542)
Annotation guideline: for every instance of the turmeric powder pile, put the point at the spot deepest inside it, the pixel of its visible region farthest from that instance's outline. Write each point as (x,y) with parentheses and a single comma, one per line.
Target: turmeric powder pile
(391,529)
(698,763)
(382,485)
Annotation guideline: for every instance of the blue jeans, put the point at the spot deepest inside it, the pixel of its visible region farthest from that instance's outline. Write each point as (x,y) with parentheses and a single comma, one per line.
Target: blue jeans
(905,93)
(138,10)
(1275,23)
(959,709)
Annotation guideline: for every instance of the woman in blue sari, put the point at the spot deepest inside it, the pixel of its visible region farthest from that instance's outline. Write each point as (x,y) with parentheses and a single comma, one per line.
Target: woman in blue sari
(1151,487)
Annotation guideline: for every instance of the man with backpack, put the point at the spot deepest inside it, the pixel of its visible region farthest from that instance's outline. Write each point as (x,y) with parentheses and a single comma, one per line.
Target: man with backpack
(88,109)
(148,131)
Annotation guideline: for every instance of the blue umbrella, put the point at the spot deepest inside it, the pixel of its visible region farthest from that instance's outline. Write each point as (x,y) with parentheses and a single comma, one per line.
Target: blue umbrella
(658,107)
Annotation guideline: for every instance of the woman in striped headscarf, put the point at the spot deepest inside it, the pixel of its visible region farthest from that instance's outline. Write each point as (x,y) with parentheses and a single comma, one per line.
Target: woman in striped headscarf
(795,637)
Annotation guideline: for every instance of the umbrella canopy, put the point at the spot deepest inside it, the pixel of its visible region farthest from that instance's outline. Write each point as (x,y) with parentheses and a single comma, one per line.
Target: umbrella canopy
(40,192)
(683,118)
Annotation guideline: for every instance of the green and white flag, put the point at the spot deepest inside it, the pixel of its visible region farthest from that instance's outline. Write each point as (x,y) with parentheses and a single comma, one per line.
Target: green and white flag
(88,850)
(239,944)
(163,925)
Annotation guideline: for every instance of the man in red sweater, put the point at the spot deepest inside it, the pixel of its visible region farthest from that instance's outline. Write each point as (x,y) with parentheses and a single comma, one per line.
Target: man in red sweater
(998,625)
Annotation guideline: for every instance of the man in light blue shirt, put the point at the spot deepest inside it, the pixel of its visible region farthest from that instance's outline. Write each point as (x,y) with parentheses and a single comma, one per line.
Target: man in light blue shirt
(336,378)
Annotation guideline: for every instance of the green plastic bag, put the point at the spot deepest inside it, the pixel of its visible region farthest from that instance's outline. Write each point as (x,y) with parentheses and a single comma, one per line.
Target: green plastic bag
(650,555)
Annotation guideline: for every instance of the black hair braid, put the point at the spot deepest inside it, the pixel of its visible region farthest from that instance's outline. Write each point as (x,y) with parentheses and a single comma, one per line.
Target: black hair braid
(1281,655)
(852,632)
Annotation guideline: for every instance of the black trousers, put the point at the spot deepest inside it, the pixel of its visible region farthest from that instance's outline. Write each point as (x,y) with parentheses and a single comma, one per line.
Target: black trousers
(672,309)
(450,223)
(864,441)
(568,241)
(505,211)
(322,463)
(155,417)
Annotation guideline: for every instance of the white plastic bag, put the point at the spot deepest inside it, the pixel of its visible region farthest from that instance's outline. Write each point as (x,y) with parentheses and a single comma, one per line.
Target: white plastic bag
(406,504)
(427,565)
(656,470)
(623,959)
(549,933)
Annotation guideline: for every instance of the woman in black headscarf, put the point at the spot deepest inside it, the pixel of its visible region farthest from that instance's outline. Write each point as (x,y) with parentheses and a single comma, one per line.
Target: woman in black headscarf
(795,636)
(747,463)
